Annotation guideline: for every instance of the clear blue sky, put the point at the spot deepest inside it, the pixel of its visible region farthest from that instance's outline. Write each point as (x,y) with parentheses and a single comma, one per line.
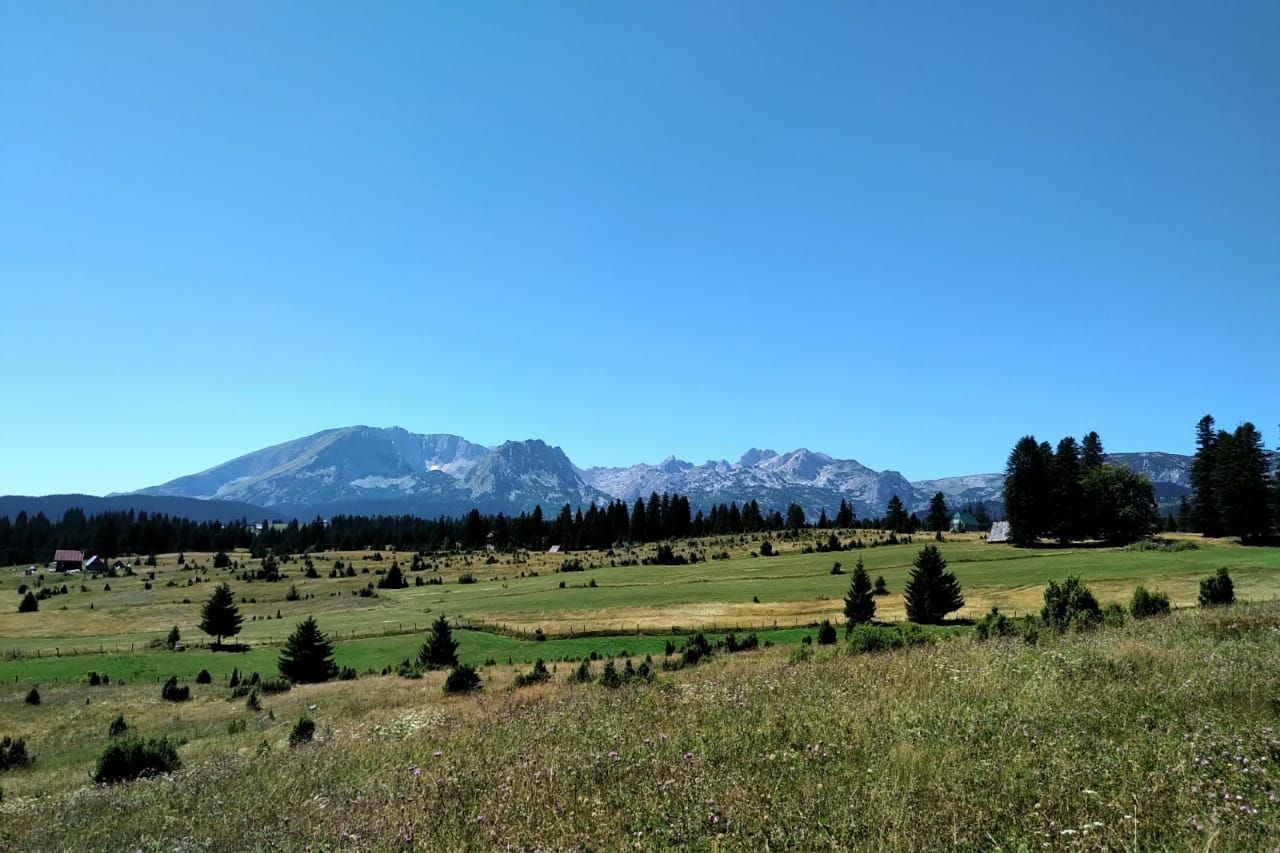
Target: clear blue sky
(902,233)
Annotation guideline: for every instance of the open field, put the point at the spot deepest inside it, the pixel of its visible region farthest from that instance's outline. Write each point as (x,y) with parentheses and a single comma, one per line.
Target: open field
(1160,734)
(793,589)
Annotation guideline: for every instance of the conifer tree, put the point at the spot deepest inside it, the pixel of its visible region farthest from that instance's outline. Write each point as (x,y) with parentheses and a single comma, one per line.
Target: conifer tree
(1091,453)
(1027,490)
(1203,500)
(939,517)
(1067,495)
(308,655)
(844,517)
(440,649)
(895,517)
(219,617)
(931,592)
(859,604)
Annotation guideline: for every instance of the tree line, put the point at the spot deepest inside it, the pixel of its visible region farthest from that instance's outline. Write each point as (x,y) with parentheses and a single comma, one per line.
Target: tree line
(1070,494)
(1234,491)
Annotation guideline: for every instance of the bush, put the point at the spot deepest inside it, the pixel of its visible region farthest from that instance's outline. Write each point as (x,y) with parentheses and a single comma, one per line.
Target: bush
(695,649)
(172,692)
(581,675)
(33,697)
(1146,604)
(135,757)
(881,588)
(994,624)
(13,753)
(766,548)
(95,680)
(303,731)
(1069,605)
(746,644)
(538,675)
(868,638)
(1217,589)
(466,577)
(826,633)
(118,726)
(1113,615)
(204,677)
(347,673)
(463,678)
(29,604)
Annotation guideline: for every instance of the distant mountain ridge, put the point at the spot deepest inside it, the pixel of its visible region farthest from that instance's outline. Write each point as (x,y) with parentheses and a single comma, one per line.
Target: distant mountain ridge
(372,470)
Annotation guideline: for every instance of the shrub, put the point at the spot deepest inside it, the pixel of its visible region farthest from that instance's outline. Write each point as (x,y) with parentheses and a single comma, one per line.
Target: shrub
(881,588)
(868,638)
(347,673)
(581,675)
(466,577)
(746,644)
(253,703)
(33,697)
(118,726)
(766,548)
(1217,589)
(175,637)
(133,757)
(1069,605)
(203,677)
(1146,604)
(463,678)
(537,675)
(303,731)
(94,679)
(172,692)
(695,649)
(29,604)
(13,753)
(610,678)
(994,624)
(1113,615)
(826,633)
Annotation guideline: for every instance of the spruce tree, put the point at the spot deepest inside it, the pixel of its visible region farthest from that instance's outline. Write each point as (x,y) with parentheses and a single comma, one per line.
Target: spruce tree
(895,517)
(1203,500)
(1068,506)
(859,604)
(440,649)
(1241,483)
(931,592)
(939,518)
(308,655)
(844,517)
(1028,493)
(1091,453)
(29,603)
(219,617)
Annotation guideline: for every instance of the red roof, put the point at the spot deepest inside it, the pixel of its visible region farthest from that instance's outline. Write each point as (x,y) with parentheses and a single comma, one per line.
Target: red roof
(61,556)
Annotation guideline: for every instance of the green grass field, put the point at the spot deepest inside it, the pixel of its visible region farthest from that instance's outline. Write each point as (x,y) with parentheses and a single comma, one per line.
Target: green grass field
(1160,734)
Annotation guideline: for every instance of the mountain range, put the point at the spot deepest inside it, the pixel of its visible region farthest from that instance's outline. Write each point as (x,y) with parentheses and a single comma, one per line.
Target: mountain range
(372,470)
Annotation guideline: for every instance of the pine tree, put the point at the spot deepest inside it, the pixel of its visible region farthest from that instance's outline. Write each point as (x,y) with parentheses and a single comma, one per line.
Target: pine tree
(1027,490)
(895,517)
(440,649)
(1203,500)
(1241,483)
(29,604)
(1067,496)
(639,527)
(1091,453)
(308,655)
(939,517)
(844,517)
(859,604)
(219,617)
(393,579)
(932,592)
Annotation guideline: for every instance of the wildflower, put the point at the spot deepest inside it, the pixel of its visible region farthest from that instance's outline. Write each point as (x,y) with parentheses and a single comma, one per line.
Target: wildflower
(613,754)
(415,770)
(688,756)
(437,753)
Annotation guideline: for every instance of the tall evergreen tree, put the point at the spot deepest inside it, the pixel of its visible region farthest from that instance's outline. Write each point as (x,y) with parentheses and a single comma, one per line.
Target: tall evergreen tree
(219,617)
(1068,507)
(440,649)
(1241,483)
(795,517)
(1028,493)
(931,592)
(844,517)
(639,526)
(859,604)
(895,517)
(307,657)
(1203,500)
(939,517)
(1091,453)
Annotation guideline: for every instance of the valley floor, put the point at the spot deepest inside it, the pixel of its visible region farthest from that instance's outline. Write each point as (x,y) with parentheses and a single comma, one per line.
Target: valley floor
(1160,734)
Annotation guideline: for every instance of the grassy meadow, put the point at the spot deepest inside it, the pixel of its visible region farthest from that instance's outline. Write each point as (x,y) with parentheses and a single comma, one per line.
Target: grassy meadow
(1141,736)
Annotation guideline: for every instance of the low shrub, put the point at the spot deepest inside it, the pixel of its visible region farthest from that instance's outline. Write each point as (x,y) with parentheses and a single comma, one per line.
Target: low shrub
(870,638)
(33,697)
(134,757)
(204,677)
(826,633)
(463,678)
(538,675)
(1069,605)
(13,753)
(303,731)
(582,675)
(1217,589)
(1146,604)
(173,692)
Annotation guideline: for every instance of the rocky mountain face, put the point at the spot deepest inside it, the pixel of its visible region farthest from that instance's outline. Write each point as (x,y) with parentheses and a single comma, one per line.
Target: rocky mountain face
(372,470)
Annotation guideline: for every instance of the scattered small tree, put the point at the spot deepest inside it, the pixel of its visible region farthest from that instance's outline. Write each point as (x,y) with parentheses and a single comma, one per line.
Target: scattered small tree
(463,678)
(826,633)
(175,637)
(118,726)
(859,604)
(931,592)
(881,588)
(1217,589)
(13,753)
(537,675)
(33,697)
(219,617)
(303,731)
(440,649)
(29,604)
(307,657)
(172,692)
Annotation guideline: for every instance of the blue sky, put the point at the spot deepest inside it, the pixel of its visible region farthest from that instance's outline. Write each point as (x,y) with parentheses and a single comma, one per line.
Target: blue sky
(903,233)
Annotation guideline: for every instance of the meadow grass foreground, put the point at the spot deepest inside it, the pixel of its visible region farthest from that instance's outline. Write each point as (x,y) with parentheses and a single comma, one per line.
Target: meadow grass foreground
(1159,734)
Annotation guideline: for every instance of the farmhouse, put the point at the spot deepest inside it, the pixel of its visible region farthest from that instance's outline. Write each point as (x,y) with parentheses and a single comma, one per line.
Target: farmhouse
(65,560)
(964,521)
